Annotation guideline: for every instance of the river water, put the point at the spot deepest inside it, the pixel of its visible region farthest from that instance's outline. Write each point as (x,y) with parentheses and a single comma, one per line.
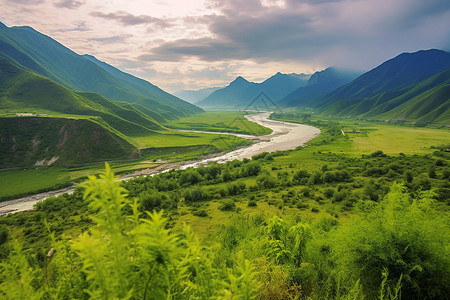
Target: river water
(284,136)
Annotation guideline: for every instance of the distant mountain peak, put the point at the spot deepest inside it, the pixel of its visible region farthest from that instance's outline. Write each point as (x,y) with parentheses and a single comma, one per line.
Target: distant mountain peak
(239,80)
(239,92)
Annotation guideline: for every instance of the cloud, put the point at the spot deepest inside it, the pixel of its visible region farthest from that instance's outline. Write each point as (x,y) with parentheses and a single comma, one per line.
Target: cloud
(208,49)
(112,39)
(257,37)
(70,4)
(315,31)
(28,2)
(129,19)
(79,26)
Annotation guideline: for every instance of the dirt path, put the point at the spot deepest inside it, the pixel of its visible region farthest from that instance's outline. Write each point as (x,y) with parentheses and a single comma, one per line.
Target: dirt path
(284,136)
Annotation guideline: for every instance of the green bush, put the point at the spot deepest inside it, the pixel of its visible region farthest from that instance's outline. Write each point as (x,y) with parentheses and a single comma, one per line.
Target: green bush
(251,169)
(403,238)
(195,194)
(300,174)
(200,213)
(265,180)
(236,188)
(328,192)
(227,205)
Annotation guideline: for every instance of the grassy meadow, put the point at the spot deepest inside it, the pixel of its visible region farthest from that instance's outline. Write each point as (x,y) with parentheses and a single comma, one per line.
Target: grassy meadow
(365,137)
(219,121)
(22,182)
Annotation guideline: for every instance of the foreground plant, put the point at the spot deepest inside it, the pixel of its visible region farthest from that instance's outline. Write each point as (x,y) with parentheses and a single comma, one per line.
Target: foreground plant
(125,256)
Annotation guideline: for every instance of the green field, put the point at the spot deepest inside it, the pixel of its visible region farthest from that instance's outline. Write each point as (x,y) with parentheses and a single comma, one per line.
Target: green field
(22,182)
(175,138)
(219,121)
(365,137)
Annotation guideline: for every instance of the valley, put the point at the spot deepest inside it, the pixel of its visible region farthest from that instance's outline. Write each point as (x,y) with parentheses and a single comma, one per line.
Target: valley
(284,136)
(256,207)
(328,181)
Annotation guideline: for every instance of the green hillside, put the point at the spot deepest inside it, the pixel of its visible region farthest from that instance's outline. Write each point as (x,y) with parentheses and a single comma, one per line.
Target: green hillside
(410,87)
(430,106)
(26,141)
(43,55)
(423,102)
(23,91)
(73,128)
(395,74)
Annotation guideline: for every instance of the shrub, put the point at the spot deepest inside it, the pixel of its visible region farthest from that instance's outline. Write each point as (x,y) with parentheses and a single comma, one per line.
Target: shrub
(190,177)
(315,178)
(340,196)
(300,174)
(409,176)
(378,153)
(261,155)
(236,188)
(266,181)
(269,156)
(251,169)
(328,192)
(200,213)
(194,194)
(371,191)
(402,238)
(446,173)
(151,200)
(432,172)
(328,176)
(306,191)
(227,205)
(439,163)
(227,176)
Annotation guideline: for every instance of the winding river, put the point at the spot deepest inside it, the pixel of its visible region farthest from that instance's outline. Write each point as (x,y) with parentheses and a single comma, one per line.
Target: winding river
(284,136)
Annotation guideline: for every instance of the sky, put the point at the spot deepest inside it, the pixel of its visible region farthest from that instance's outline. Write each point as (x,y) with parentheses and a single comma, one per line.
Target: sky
(194,44)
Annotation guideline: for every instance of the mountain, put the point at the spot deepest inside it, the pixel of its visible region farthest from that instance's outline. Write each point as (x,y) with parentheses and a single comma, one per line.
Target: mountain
(24,90)
(397,73)
(424,102)
(279,85)
(39,53)
(319,84)
(43,120)
(240,93)
(411,86)
(194,96)
(237,94)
